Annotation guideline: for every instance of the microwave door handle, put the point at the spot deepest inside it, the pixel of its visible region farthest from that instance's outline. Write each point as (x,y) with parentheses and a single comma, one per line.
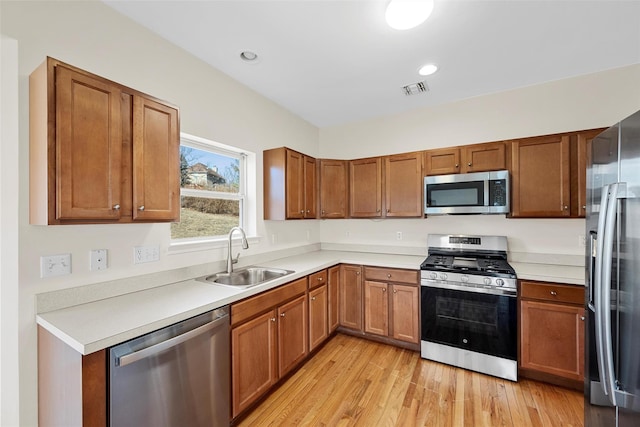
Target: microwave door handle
(486,192)
(597,285)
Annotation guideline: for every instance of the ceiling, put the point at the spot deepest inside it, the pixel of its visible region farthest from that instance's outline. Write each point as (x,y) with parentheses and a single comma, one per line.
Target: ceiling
(333,61)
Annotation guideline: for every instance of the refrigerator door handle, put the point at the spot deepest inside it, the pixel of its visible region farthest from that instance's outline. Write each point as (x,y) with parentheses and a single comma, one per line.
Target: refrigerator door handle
(609,380)
(598,308)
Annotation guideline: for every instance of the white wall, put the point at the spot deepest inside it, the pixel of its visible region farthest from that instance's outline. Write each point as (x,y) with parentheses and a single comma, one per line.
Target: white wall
(9,351)
(591,101)
(92,36)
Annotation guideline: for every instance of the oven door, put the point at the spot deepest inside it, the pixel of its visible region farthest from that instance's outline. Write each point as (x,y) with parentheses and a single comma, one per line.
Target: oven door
(479,322)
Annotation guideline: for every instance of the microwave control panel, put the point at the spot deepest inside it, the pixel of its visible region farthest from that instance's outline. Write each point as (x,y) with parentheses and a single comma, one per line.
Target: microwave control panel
(498,192)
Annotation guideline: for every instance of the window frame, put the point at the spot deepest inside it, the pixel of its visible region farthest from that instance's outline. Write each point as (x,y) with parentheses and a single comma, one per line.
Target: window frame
(204,144)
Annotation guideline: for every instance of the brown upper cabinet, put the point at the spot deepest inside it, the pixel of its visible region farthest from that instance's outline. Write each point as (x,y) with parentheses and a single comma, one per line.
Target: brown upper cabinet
(401,179)
(540,177)
(403,185)
(99,152)
(469,158)
(290,181)
(580,158)
(334,177)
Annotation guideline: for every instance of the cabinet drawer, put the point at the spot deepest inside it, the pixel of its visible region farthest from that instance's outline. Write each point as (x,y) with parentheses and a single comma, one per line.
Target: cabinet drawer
(391,275)
(251,307)
(572,294)
(317,279)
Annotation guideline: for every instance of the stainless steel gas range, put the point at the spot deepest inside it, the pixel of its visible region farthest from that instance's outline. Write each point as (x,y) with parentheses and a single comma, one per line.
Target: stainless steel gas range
(468,304)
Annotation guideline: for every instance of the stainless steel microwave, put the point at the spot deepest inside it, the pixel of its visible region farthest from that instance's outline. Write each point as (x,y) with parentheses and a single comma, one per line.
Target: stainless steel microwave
(467,193)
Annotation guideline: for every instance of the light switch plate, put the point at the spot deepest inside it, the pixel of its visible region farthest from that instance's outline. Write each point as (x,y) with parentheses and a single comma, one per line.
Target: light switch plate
(55,265)
(99,259)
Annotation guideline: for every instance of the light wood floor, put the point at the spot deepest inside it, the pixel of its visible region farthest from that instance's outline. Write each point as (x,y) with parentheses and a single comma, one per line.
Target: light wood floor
(355,382)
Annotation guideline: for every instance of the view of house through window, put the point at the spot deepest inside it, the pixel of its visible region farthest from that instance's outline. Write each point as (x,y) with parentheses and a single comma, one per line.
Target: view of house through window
(212,190)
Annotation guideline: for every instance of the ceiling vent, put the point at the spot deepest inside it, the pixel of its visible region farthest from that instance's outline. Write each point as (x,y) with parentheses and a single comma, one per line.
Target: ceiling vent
(415,88)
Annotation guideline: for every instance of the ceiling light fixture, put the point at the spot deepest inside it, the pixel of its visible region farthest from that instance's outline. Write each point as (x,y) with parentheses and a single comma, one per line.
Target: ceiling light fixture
(405,14)
(427,70)
(248,56)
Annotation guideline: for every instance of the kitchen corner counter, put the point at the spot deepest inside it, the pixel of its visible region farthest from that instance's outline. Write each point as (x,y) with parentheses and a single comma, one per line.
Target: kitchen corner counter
(96,325)
(572,275)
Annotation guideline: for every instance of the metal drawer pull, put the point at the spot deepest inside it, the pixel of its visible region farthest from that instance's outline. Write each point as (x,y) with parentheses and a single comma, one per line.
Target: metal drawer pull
(116,207)
(141,208)
(554,293)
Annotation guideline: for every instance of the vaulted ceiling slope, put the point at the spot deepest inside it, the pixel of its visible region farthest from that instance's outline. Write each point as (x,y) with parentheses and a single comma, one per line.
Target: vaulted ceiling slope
(334,61)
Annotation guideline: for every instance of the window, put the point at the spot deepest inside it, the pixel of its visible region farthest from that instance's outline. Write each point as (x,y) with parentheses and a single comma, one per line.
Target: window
(212,190)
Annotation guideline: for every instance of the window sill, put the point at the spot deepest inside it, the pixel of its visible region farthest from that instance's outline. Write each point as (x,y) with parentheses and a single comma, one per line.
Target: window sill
(180,247)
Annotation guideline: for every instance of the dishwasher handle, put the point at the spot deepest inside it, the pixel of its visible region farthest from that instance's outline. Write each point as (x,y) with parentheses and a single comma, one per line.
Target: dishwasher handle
(172,342)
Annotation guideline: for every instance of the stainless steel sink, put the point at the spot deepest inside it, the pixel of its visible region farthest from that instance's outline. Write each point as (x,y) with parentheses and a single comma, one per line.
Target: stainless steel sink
(246,277)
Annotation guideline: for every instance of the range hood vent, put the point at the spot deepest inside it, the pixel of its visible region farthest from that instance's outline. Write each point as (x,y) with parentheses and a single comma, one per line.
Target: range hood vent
(415,88)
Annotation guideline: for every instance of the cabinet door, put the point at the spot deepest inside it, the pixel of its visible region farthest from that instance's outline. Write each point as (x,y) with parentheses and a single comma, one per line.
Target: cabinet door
(333,297)
(403,185)
(365,196)
(583,158)
(88,148)
(292,334)
(376,308)
(351,297)
(405,313)
(540,177)
(294,182)
(253,360)
(442,161)
(552,338)
(483,157)
(333,189)
(156,166)
(310,188)
(318,323)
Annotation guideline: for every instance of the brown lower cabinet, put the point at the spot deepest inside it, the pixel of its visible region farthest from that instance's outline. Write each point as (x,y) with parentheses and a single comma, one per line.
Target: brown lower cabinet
(268,339)
(350,296)
(391,300)
(318,309)
(552,333)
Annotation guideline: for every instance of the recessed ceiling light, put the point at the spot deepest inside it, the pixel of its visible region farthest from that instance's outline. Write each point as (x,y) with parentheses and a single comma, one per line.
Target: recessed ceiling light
(427,70)
(405,14)
(248,56)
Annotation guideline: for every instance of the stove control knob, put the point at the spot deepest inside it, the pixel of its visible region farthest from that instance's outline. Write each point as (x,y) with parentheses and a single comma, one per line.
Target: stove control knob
(443,276)
(464,278)
(433,275)
(499,282)
(487,281)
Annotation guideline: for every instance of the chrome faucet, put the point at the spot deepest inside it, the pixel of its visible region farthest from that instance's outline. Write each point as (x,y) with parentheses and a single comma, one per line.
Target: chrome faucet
(245,245)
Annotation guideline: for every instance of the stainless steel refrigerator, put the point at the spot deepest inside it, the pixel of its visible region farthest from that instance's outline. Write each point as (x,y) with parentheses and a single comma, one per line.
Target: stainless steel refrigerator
(612,360)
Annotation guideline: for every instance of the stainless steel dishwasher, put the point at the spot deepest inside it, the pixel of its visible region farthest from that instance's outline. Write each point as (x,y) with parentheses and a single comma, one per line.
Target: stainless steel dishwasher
(176,376)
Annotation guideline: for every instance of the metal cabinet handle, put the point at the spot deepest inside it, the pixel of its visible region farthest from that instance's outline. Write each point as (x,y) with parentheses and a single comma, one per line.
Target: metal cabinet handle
(389,276)
(384,289)
(313,298)
(584,206)
(554,293)
(281,314)
(273,319)
(566,207)
(308,211)
(323,212)
(319,279)
(378,210)
(116,207)
(141,208)
(582,318)
(357,273)
(302,211)
(457,166)
(469,164)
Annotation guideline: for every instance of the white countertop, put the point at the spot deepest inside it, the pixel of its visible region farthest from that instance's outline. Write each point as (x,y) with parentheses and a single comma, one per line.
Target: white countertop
(100,324)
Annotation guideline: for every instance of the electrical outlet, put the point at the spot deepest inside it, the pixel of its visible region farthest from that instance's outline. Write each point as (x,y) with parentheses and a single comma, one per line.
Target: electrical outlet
(399,235)
(55,265)
(149,253)
(98,259)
